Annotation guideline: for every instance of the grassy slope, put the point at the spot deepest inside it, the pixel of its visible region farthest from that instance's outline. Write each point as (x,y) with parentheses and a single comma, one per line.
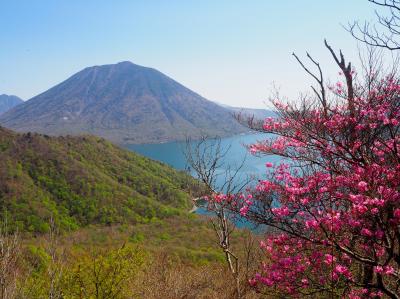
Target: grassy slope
(84,180)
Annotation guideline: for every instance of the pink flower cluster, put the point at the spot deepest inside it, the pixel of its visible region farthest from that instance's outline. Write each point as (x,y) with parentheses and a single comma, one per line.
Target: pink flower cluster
(337,202)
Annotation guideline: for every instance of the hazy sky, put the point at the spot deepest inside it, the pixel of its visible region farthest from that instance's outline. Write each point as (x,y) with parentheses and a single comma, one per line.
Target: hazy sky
(227,51)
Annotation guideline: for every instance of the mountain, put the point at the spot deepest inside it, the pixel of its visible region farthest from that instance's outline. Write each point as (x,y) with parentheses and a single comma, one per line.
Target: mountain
(84,180)
(8,101)
(124,103)
(250,112)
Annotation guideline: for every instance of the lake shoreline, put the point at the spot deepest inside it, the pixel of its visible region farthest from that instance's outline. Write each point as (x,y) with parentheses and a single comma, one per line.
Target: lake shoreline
(196,204)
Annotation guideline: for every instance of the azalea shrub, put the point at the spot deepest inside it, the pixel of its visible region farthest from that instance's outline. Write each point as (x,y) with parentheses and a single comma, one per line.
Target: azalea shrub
(332,206)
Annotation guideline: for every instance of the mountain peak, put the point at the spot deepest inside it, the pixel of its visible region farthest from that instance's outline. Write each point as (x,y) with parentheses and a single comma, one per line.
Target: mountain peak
(119,65)
(9,96)
(125,63)
(8,102)
(125,103)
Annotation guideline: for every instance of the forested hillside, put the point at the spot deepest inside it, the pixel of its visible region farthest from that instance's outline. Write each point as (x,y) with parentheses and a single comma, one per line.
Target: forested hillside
(84,180)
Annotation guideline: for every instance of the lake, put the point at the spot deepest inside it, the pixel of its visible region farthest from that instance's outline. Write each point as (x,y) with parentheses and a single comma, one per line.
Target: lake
(172,153)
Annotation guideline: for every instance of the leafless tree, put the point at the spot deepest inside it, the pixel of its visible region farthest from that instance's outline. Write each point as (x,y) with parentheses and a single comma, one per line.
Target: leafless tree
(55,269)
(9,255)
(385,33)
(206,157)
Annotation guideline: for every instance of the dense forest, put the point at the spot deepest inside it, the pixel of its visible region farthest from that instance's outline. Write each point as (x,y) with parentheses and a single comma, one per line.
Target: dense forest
(84,180)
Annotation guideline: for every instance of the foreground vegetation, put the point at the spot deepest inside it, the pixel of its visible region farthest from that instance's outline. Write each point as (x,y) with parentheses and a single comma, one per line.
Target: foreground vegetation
(82,218)
(171,258)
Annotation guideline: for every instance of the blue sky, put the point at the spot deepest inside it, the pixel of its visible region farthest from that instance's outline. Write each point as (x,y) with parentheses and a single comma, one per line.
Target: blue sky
(227,51)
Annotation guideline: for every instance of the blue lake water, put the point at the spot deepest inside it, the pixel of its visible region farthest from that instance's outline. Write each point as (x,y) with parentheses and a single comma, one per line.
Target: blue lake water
(172,153)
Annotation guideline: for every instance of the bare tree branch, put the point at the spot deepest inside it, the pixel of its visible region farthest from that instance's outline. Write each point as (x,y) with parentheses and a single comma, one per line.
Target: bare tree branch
(347,72)
(387,35)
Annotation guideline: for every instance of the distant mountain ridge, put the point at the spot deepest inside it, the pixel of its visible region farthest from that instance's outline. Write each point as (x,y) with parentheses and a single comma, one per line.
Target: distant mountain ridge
(124,103)
(8,102)
(253,112)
